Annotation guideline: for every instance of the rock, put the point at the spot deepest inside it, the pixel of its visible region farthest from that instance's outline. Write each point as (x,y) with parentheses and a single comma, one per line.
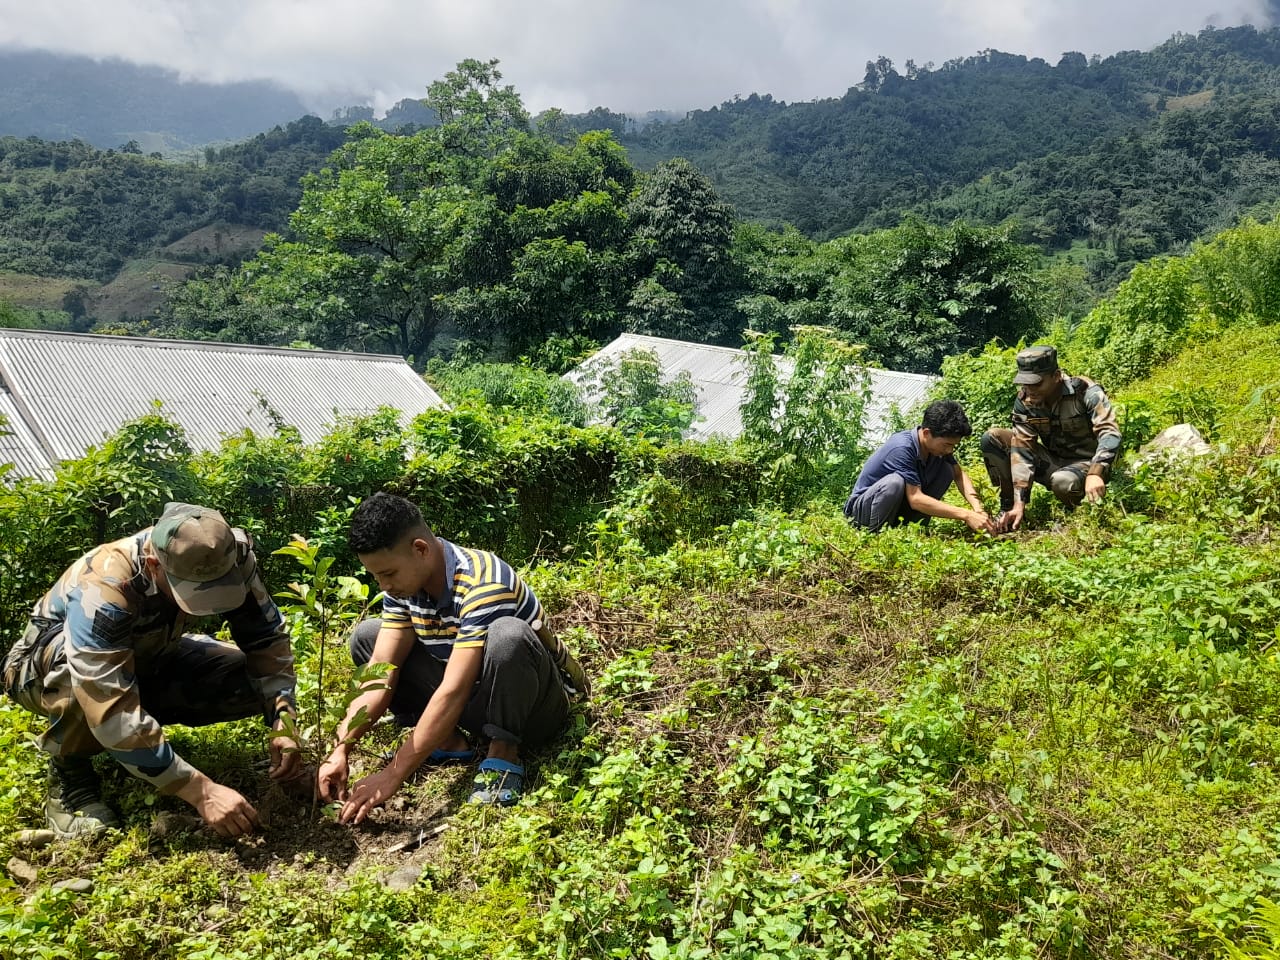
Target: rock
(403,878)
(19,869)
(168,823)
(75,885)
(34,838)
(1181,441)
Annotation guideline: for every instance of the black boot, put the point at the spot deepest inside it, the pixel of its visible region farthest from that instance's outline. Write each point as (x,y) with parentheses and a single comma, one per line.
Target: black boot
(75,807)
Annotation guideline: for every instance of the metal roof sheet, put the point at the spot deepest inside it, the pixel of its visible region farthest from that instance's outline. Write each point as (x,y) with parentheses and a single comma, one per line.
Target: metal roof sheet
(18,445)
(719,377)
(73,390)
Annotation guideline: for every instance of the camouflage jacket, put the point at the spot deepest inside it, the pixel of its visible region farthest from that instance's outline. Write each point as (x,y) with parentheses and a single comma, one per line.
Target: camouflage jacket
(101,623)
(1080,426)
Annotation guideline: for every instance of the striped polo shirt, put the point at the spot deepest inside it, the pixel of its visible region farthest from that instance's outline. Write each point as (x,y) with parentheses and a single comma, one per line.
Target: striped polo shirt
(482,588)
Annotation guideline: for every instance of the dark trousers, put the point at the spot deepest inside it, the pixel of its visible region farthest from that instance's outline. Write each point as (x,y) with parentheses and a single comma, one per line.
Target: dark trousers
(1064,477)
(195,681)
(884,503)
(519,697)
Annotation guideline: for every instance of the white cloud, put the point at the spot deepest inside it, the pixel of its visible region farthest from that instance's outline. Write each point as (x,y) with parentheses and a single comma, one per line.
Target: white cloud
(664,54)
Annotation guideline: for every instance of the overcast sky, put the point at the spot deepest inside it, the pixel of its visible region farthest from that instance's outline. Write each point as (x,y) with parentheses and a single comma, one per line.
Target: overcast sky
(575,54)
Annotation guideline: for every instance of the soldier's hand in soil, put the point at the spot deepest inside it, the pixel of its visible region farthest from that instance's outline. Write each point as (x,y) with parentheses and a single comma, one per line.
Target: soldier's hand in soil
(979,522)
(1011,519)
(331,779)
(286,759)
(223,809)
(1095,488)
(368,794)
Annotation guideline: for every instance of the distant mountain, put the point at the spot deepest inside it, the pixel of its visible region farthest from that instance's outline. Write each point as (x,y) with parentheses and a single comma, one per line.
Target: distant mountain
(109,103)
(71,210)
(924,138)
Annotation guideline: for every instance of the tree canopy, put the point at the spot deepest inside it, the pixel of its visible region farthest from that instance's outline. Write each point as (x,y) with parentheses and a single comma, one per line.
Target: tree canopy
(485,230)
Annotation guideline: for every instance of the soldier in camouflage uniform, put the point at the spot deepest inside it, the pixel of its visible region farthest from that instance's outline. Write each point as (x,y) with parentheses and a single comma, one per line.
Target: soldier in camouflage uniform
(106,660)
(1064,435)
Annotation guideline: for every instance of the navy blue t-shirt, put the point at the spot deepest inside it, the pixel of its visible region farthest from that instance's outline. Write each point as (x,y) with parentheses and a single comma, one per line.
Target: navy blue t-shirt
(901,454)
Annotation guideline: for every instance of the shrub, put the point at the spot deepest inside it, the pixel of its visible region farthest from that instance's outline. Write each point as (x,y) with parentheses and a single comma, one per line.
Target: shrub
(514,388)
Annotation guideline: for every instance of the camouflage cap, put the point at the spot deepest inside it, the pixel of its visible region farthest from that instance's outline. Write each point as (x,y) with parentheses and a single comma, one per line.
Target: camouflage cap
(197,550)
(1034,364)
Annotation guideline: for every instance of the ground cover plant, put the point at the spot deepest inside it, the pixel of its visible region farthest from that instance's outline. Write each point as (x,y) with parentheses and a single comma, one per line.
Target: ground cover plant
(803,741)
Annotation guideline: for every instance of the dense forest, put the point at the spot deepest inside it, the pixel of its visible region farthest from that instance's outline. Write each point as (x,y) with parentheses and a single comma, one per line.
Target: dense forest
(939,128)
(486,234)
(1133,154)
(69,209)
(1104,162)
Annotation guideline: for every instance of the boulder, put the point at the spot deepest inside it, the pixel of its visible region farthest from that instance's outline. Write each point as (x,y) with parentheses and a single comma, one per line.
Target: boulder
(1182,441)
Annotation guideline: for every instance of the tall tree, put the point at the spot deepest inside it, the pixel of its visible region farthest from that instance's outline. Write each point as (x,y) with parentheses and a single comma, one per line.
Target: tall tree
(385,239)
(681,236)
(479,226)
(477,115)
(916,293)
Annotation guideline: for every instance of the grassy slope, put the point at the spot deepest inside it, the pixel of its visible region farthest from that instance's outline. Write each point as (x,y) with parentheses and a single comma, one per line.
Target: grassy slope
(36,292)
(806,742)
(1228,388)
(138,290)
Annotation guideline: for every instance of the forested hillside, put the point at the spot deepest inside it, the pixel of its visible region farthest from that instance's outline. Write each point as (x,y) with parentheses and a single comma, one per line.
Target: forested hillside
(487,235)
(1104,162)
(68,209)
(1134,153)
(1203,164)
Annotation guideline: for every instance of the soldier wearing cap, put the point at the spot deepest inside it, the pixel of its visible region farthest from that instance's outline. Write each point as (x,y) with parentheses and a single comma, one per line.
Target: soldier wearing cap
(1064,436)
(107,660)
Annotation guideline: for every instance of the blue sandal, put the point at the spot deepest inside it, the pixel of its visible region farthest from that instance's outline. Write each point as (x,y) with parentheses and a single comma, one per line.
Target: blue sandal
(498,783)
(438,758)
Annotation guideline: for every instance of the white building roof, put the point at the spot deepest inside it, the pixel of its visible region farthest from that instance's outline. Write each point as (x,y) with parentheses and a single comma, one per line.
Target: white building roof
(64,392)
(719,376)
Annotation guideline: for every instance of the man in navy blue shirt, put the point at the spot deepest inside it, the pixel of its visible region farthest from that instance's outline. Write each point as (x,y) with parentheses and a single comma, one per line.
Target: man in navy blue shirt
(905,480)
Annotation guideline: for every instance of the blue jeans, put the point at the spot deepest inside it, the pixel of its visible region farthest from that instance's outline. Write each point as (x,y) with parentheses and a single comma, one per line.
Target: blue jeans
(884,503)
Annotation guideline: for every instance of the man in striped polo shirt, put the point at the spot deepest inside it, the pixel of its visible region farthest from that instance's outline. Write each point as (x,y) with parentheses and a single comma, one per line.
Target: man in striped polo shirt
(466,638)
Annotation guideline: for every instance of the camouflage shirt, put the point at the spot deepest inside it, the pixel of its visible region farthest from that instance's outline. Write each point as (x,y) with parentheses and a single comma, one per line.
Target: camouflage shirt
(1081,425)
(114,619)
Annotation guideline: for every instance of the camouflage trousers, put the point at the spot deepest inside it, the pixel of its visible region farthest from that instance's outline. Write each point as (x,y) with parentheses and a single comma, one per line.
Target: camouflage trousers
(194,681)
(1064,477)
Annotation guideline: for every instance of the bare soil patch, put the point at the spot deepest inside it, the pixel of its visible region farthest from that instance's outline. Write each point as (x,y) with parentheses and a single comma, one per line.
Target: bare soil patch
(218,240)
(138,290)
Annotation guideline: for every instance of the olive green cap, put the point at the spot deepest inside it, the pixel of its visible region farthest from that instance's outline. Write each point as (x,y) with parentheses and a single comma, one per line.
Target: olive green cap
(1034,364)
(197,550)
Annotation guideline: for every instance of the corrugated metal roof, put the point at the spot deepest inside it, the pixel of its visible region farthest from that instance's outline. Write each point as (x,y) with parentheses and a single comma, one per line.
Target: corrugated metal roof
(73,390)
(19,446)
(719,376)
